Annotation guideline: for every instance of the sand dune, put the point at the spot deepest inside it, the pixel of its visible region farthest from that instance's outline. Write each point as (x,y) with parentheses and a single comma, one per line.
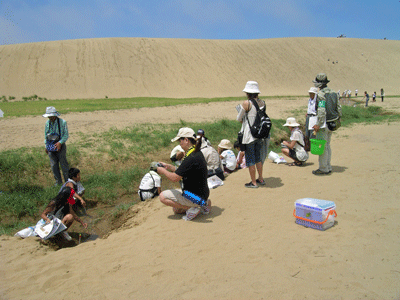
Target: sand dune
(132,67)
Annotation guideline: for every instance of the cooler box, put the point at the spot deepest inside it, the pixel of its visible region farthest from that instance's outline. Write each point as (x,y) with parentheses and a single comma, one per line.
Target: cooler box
(315,213)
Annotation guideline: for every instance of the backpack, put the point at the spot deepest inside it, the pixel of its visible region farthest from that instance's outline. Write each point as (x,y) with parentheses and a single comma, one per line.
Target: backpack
(262,124)
(332,111)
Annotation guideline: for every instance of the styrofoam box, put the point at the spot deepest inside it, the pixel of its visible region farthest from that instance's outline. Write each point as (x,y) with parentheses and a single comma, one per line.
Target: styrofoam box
(315,210)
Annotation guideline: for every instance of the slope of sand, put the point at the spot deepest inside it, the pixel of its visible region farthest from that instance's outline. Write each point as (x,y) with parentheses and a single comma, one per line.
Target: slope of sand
(249,246)
(132,67)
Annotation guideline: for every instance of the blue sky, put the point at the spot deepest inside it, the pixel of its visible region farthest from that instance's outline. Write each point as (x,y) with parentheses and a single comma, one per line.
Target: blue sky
(25,21)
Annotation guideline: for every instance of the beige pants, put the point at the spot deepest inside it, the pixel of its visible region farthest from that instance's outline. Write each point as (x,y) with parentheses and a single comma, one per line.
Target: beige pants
(325,158)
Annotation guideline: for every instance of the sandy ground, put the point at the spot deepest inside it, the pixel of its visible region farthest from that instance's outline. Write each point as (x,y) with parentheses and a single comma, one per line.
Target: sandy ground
(249,247)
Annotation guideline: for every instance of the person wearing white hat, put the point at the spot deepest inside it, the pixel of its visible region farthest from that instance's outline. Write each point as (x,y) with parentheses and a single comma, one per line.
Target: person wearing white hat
(295,147)
(311,112)
(192,173)
(227,156)
(55,136)
(255,150)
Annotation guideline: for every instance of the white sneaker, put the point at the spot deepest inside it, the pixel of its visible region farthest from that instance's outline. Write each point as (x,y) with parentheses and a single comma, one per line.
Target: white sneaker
(65,235)
(191,213)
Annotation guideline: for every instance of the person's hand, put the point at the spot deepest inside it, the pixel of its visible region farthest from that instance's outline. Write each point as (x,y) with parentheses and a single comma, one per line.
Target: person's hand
(84,225)
(83,203)
(58,146)
(316,128)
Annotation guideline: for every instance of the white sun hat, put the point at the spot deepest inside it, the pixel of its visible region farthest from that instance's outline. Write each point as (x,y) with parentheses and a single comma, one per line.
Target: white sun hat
(313,90)
(51,112)
(291,122)
(225,144)
(184,132)
(251,87)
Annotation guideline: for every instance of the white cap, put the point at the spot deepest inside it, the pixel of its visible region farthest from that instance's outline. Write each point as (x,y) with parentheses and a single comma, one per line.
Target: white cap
(184,132)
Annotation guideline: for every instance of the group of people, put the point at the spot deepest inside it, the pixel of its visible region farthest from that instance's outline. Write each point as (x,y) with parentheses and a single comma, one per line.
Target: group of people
(194,160)
(366,97)
(191,166)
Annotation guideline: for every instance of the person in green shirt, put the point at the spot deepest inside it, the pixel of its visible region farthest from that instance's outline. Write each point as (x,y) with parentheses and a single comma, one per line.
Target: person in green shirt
(55,136)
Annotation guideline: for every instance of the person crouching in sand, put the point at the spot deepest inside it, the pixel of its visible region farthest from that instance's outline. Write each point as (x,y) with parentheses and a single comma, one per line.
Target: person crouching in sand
(295,148)
(192,173)
(61,207)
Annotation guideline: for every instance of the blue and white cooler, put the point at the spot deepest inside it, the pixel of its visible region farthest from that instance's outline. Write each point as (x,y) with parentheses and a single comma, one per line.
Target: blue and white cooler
(315,213)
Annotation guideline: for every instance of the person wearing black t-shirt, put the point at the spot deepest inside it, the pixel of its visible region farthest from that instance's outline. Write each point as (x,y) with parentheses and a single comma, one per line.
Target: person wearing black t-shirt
(192,173)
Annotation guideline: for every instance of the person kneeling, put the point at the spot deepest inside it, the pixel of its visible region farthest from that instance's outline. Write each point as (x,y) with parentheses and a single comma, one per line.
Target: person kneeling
(295,148)
(193,176)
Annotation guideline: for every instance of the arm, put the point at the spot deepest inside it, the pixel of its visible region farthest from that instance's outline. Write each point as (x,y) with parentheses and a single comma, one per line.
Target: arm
(169,172)
(47,210)
(245,108)
(73,213)
(70,184)
(64,134)
(290,144)
(321,113)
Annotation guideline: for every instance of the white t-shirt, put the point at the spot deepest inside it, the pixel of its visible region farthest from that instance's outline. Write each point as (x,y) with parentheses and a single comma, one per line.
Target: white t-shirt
(311,106)
(297,136)
(229,159)
(147,183)
(174,151)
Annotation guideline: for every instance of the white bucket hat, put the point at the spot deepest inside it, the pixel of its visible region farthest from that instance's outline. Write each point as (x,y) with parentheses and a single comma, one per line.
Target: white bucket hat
(184,132)
(51,112)
(251,87)
(291,122)
(313,90)
(225,144)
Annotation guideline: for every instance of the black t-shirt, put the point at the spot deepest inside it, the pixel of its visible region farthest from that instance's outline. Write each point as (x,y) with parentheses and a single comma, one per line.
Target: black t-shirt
(193,171)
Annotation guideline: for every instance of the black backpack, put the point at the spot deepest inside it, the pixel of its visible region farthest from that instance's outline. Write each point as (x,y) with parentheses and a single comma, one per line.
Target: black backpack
(262,124)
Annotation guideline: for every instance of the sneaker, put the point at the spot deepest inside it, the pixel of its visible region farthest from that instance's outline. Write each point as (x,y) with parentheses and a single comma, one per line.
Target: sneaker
(205,210)
(260,182)
(251,185)
(65,235)
(191,213)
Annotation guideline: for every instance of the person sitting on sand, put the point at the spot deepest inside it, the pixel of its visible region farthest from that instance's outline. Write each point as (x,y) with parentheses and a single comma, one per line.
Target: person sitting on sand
(227,156)
(74,182)
(193,176)
(295,148)
(240,159)
(177,155)
(214,164)
(61,207)
(150,186)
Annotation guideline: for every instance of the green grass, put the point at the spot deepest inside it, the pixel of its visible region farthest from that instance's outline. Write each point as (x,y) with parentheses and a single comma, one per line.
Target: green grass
(113,162)
(35,108)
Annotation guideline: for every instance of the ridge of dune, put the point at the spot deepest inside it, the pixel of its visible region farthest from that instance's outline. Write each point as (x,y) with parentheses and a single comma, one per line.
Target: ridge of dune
(183,68)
